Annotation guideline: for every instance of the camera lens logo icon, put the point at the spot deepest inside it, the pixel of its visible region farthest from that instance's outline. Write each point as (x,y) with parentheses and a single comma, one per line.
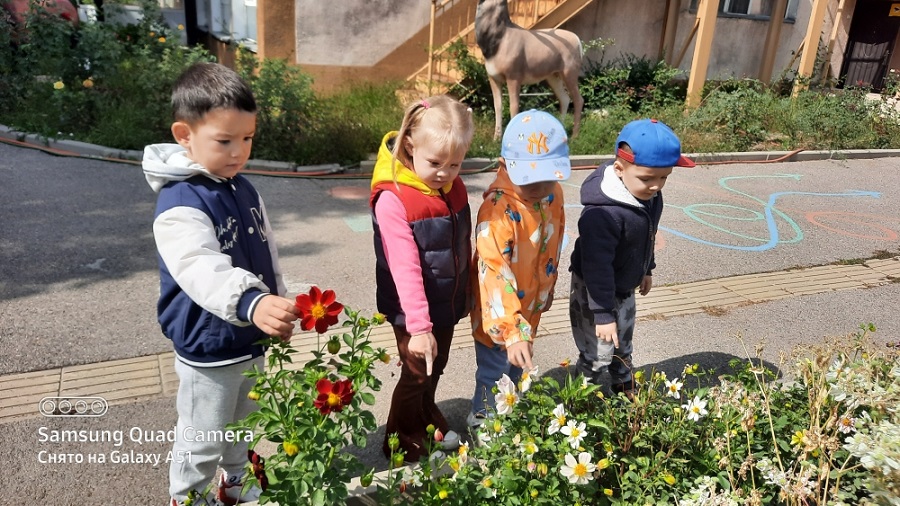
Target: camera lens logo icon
(73,406)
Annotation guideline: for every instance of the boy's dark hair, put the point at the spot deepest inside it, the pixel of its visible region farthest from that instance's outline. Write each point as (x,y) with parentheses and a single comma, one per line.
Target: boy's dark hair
(206,86)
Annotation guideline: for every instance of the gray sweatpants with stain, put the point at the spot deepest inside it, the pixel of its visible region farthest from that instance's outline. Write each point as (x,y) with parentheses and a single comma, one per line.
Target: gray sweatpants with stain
(596,356)
(209,398)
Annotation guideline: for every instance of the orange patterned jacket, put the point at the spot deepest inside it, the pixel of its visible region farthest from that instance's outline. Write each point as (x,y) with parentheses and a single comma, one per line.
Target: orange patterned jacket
(517,250)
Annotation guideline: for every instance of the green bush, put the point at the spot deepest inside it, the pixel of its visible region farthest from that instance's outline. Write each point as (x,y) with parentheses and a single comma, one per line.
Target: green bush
(828,435)
(100,83)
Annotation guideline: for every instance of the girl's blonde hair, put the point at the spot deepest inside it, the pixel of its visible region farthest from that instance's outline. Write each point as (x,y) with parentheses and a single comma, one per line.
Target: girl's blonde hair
(447,121)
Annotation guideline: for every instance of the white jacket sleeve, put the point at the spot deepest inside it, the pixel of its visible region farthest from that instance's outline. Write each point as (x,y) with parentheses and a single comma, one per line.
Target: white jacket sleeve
(186,241)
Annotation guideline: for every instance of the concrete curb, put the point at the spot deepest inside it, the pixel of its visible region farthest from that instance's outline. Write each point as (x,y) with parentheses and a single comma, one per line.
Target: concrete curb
(366,166)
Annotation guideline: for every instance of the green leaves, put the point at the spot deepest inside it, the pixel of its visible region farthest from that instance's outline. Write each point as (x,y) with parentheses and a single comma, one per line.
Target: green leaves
(310,466)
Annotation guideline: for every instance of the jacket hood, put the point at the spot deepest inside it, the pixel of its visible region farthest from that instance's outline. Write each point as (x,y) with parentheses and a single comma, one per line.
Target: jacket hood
(603,187)
(405,176)
(164,163)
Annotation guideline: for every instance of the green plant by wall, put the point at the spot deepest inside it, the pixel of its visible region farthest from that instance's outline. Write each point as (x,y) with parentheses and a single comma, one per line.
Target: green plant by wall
(100,83)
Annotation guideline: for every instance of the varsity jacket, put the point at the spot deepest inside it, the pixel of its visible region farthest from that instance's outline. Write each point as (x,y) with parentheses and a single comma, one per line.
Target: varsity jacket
(216,255)
(436,224)
(616,236)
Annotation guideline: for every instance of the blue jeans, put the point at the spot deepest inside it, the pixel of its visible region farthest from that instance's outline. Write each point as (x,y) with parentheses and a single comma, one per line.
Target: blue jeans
(491,364)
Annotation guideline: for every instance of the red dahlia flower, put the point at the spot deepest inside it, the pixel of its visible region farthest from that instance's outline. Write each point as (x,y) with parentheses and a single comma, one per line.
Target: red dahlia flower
(333,396)
(318,309)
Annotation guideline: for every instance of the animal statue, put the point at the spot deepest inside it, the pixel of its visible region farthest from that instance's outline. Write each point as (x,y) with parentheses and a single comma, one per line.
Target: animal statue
(516,56)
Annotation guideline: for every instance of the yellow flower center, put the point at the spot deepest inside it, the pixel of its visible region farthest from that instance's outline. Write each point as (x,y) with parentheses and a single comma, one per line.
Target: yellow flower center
(580,470)
(575,432)
(317,311)
(561,419)
(673,388)
(334,399)
(510,399)
(695,409)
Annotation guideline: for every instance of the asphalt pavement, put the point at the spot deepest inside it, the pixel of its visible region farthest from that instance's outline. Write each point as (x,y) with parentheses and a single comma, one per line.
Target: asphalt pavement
(79,281)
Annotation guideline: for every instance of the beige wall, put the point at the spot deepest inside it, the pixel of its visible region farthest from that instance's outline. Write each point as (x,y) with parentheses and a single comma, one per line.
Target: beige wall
(355,32)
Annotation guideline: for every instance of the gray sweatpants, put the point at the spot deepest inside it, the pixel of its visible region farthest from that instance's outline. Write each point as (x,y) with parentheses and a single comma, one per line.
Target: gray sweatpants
(594,355)
(208,399)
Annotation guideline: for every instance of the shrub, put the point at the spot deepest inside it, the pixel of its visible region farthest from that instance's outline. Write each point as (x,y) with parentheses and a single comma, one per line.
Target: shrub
(288,109)
(637,82)
(356,120)
(101,83)
(830,436)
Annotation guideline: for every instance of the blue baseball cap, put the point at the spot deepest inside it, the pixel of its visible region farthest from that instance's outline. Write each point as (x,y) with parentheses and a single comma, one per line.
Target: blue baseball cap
(653,143)
(536,148)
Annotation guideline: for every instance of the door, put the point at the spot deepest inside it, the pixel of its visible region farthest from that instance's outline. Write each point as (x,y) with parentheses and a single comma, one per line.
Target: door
(870,43)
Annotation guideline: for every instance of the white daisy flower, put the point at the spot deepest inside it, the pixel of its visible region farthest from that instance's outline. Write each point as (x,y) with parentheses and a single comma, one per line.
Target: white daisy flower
(559,419)
(579,472)
(527,378)
(506,396)
(673,388)
(575,433)
(496,304)
(696,408)
(483,229)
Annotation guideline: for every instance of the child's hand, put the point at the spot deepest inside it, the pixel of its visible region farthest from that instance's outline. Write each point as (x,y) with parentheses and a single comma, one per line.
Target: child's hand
(519,354)
(608,332)
(274,316)
(424,346)
(646,285)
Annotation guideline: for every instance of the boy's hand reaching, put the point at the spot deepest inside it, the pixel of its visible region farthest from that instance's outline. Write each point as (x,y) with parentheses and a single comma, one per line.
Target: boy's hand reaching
(608,332)
(274,315)
(424,346)
(646,285)
(520,353)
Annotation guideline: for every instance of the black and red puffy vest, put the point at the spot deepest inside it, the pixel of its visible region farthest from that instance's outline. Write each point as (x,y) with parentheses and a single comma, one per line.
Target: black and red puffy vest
(442,229)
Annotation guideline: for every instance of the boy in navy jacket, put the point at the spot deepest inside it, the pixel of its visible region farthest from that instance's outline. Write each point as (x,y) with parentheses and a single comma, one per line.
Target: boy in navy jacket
(614,251)
(221,289)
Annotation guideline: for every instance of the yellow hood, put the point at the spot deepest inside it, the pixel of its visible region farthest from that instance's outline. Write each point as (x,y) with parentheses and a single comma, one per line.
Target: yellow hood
(405,176)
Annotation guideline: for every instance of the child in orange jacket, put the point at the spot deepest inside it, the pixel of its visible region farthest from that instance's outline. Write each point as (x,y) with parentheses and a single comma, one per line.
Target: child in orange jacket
(518,241)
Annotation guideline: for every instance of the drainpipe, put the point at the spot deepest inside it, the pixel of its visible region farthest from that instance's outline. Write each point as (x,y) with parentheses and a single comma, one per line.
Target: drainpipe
(431,46)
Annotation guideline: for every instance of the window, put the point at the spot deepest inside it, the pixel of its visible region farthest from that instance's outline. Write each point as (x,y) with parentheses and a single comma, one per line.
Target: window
(754,9)
(229,20)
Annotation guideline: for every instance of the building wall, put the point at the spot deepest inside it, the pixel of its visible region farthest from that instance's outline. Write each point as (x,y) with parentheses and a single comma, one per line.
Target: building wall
(731,56)
(359,33)
(340,42)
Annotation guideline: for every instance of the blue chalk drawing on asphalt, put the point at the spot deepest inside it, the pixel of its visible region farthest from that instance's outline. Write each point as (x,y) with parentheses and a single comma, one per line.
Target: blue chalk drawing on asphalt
(359,222)
(697,211)
(769,214)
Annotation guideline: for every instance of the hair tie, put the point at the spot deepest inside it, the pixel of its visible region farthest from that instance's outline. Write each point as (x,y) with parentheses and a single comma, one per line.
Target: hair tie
(425,104)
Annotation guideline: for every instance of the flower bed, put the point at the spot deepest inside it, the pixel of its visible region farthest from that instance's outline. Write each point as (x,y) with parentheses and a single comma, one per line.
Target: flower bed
(831,435)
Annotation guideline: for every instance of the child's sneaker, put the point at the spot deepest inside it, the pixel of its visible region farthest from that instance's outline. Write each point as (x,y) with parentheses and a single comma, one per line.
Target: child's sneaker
(450,441)
(474,420)
(229,492)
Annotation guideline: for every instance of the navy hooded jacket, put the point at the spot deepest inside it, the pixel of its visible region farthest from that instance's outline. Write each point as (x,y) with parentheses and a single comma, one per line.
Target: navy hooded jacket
(616,234)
